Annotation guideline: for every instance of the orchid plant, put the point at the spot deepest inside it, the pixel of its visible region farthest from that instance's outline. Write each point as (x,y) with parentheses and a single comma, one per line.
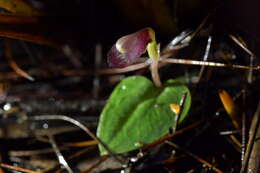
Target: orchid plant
(139,113)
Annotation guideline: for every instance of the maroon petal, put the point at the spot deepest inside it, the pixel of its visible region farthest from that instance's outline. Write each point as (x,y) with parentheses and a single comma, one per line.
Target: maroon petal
(117,59)
(129,48)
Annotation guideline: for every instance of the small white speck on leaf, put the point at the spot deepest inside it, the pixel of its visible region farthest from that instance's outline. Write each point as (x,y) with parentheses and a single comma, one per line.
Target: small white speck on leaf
(123,87)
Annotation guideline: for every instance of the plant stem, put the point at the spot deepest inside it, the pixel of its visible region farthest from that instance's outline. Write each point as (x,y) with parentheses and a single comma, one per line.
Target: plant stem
(154,72)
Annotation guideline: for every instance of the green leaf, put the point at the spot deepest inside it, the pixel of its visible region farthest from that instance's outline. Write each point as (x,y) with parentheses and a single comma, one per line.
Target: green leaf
(138,113)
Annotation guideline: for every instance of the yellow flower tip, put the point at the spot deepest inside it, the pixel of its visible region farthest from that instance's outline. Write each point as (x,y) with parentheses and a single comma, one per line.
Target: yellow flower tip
(153,50)
(151,33)
(175,108)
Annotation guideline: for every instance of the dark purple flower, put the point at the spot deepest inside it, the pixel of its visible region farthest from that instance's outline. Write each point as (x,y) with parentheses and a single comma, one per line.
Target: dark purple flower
(129,48)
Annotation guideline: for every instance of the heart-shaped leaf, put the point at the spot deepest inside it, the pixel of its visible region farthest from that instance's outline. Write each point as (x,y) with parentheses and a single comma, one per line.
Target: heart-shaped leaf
(138,113)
